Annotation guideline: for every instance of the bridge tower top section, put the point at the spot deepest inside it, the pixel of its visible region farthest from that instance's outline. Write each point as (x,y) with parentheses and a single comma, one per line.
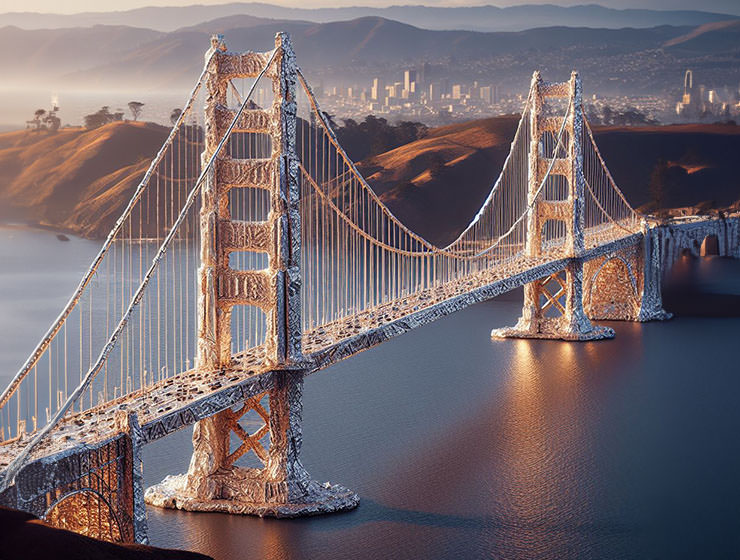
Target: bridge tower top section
(247,175)
(556,180)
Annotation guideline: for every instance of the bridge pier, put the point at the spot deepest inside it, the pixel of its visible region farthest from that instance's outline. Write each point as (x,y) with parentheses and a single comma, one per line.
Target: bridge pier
(651,301)
(93,489)
(282,488)
(544,316)
(625,284)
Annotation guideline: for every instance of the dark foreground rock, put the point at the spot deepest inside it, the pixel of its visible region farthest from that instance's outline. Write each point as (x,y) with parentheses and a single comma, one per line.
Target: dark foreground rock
(25,537)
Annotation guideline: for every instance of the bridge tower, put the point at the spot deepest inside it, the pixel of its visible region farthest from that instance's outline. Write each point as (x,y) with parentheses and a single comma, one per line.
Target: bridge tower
(282,487)
(553,305)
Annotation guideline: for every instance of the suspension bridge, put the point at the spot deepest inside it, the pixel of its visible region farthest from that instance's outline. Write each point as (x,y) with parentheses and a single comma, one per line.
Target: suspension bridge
(253,253)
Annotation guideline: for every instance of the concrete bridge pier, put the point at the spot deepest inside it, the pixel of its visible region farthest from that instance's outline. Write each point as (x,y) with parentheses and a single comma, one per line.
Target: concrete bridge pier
(553,308)
(651,300)
(96,489)
(281,488)
(624,284)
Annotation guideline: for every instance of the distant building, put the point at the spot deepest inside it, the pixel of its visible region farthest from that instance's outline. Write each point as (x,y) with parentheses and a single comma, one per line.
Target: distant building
(488,94)
(378,89)
(690,104)
(435,92)
(408,77)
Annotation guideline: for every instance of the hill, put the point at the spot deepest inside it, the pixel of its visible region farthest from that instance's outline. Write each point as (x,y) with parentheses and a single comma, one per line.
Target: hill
(700,161)
(436,185)
(710,38)
(79,180)
(132,57)
(472,18)
(628,60)
(49,53)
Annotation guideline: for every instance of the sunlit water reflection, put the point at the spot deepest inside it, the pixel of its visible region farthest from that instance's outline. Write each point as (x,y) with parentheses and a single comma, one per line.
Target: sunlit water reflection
(464,447)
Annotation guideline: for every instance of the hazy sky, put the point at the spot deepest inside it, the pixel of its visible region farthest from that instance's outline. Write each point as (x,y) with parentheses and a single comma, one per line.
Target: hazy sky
(72,6)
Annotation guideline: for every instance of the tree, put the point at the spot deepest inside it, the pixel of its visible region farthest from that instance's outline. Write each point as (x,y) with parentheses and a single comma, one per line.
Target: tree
(174,115)
(374,136)
(37,119)
(135,107)
(100,117)
(52,122)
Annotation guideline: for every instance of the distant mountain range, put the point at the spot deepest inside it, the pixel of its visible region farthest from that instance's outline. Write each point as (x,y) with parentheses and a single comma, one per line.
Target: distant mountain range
(477,18)
(635,60)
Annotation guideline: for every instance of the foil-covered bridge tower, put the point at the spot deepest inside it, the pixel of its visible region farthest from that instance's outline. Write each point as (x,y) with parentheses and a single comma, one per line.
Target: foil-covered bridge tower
(281,487)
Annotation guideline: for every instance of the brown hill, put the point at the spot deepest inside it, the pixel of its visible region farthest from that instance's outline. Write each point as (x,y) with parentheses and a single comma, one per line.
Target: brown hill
(701,161)
(436,185)
(77,179)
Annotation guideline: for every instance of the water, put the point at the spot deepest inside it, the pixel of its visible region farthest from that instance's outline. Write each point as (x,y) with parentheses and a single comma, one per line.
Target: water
(464,447)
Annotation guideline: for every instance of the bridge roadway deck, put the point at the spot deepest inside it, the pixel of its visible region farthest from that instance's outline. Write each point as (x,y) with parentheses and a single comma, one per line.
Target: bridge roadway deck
(183,399)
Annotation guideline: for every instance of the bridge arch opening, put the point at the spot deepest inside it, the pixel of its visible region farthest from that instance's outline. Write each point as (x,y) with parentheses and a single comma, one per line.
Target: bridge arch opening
(613,293)
(556,187)
(248,205)
(248,328)
(710,246)
(249,145)
(685,253)
(87,512)
(549,147)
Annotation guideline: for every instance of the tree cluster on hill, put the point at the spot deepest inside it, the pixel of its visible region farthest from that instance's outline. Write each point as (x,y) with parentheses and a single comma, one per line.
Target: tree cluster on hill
(43,120)
(611,117)
(102,116)
(374,136)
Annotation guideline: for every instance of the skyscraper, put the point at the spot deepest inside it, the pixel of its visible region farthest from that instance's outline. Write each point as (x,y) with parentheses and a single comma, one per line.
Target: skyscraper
(378,89)
(409,76)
